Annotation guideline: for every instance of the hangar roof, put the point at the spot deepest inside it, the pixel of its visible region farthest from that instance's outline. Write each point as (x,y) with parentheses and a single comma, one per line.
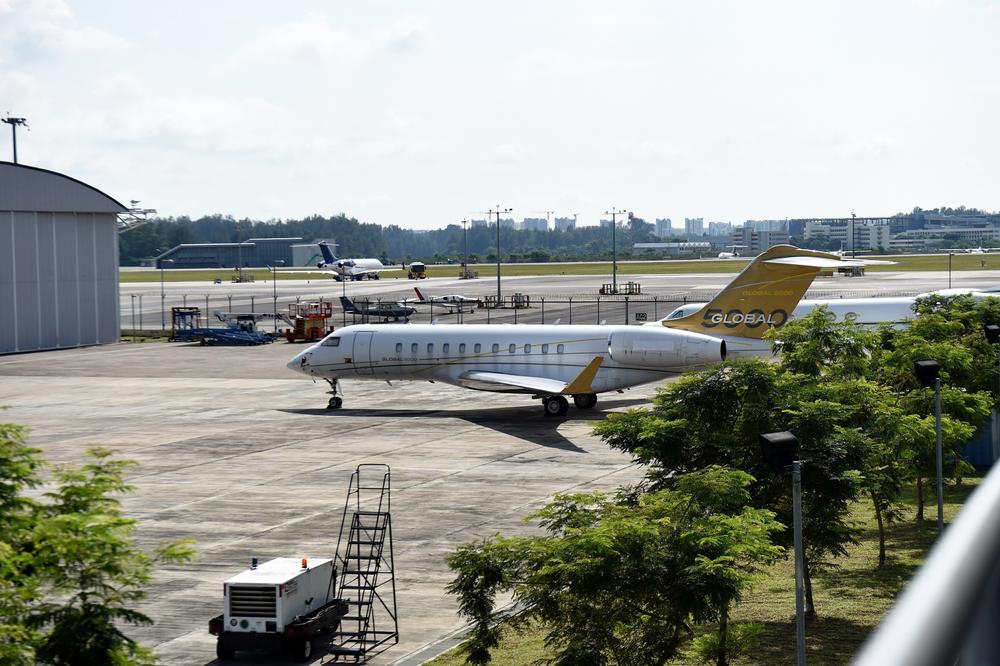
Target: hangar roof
(26,188)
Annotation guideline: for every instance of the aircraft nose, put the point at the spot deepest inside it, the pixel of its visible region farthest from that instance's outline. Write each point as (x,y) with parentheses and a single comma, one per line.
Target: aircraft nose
(300,362)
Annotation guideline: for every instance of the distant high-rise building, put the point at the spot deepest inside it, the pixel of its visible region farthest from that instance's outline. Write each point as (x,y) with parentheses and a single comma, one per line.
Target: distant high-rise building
(664,227)
(508,223)
(754,241)
(480,223)
(720,228)
(565,223)
(535,224)
(694,226)
(767,225)
(606,224)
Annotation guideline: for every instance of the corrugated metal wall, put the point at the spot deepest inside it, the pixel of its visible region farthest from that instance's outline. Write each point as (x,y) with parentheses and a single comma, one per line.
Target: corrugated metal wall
(58,261)
(58,280)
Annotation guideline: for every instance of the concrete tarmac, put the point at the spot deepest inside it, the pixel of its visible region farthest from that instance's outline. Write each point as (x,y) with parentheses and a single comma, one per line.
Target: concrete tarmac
(237,452)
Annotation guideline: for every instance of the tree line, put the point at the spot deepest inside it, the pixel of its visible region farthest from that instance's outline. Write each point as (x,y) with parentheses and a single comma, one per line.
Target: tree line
(627,578)
(392,244)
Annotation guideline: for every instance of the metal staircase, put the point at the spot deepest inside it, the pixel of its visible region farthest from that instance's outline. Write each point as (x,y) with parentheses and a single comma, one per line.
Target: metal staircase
(367,580)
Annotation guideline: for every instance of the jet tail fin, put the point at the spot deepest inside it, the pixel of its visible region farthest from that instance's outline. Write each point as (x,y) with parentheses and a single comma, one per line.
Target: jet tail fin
(347,304)
(328,255)
(762,296)
(420,295)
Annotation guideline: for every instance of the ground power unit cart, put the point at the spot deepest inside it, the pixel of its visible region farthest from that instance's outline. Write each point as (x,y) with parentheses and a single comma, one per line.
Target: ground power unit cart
(283,605)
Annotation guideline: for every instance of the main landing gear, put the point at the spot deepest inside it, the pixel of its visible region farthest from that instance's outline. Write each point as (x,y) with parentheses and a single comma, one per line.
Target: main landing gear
(336,401)
(557,405)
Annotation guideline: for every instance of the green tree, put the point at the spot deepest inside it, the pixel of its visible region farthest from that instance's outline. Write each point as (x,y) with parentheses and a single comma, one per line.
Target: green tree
(715,417)
(70,571)
(621,581)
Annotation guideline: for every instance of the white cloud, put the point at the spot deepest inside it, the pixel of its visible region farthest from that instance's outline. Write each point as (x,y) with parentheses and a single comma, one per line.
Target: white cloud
(314,37)
(510,153)
(34,29)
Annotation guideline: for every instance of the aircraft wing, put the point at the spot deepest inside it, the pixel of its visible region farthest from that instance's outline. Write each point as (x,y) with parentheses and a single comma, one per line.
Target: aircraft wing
(502,381)
(440,304)
(821,262)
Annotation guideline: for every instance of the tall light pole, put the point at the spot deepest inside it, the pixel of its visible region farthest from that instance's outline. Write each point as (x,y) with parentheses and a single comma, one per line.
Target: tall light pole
(854,245)
(614,212)
(163,312)
(274,291)
(928,374)
(498,211)
(781,451)
(14,124)
(465,236)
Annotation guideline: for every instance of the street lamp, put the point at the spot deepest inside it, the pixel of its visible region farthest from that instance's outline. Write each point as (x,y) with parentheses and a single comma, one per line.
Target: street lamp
(992,332)
(274,291)
(781,452)
(163,313)
(928,375)
(614,212)
(498,212)
(950,255)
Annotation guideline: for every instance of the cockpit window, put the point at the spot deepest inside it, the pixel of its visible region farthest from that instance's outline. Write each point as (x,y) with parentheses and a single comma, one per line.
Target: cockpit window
(331,342)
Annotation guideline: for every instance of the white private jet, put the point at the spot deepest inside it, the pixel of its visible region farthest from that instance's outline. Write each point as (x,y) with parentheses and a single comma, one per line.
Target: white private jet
(552,362)
(449,301)
(734,254)
(344,269)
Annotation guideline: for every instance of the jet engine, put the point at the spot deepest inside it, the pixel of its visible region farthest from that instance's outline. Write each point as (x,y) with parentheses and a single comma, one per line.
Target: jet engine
(646,347)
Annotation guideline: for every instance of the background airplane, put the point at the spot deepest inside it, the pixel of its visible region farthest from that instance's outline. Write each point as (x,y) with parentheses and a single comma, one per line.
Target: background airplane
(353,269)
(734,254)
(552,362)
(450,301)
(394,311)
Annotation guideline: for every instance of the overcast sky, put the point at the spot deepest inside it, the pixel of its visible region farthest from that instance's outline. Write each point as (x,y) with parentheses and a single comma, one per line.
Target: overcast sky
(425,113)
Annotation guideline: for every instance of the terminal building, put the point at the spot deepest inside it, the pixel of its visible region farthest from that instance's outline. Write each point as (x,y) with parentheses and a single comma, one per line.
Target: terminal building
(59,255)
(251,253)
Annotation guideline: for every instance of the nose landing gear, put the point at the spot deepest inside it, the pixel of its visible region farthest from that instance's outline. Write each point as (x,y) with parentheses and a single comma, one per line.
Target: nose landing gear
(336,401)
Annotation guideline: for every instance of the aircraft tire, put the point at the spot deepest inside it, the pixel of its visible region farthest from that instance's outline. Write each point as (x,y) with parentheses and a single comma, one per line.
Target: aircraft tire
(585,400)
(336,402)
(555,405)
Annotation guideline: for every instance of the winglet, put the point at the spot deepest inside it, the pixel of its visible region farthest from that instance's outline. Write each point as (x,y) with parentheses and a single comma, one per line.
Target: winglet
(583,380)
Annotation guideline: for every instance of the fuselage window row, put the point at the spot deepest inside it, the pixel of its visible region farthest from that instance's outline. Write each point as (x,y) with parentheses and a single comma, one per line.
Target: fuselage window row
(477,348)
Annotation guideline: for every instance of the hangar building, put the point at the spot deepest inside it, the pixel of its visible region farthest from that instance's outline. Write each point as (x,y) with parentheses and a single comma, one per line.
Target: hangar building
(58,261)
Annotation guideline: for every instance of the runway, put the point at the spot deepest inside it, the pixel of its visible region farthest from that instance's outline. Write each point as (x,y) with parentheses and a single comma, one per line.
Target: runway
(141,302)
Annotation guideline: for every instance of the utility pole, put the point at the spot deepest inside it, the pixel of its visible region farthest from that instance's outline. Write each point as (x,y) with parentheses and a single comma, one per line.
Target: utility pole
(614,212)
(498,211)
(14,123)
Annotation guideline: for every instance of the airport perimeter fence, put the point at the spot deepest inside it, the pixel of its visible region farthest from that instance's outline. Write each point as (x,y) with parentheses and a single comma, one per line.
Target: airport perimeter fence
(152,311)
